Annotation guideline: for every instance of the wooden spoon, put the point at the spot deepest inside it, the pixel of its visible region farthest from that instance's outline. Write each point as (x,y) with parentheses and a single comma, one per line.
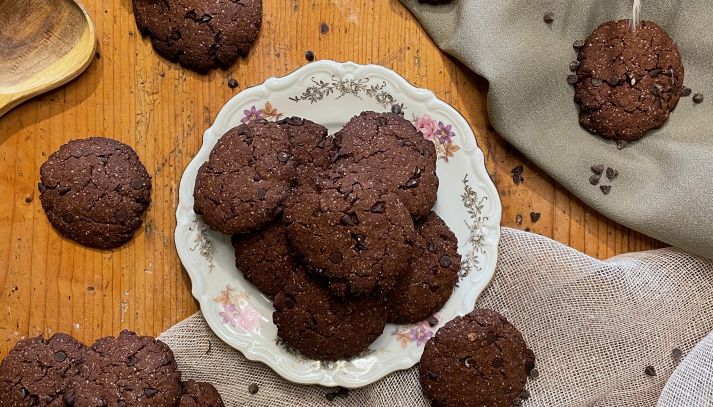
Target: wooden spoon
(43,45)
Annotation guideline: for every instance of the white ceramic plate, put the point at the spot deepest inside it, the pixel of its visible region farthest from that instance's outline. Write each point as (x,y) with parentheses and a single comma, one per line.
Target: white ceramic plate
(331,93)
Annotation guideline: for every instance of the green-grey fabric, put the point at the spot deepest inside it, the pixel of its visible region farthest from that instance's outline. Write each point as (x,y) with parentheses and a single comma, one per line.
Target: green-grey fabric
(665,183)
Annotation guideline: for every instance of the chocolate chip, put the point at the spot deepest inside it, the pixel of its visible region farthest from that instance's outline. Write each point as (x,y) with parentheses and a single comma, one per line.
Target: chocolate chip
(517,170)
(121,403)
(578,44)
(431,247)
(253,388)
(149,392)
(63,190)
(283,156)
(490,337)
(518,219)
(324,28)
(517,179)
(572,79)
(309,56)
(122,216)
(348,220)
(469,362)
(432,321)
(24,392)
(431,375)
(417,172)
(677,353)
(650,371)
(573,65)
(658,104)
(336,257)
(295,121)
(261,193)
(28,199)
(232,83)
(360,240)
(60,356)
(383,121)
(656,89)
(401,142)
(594,179)
(596,82)
(104,159)
(525,394)
(412,183)
(69,401)
(497,363)
(378,208)
(206,18)
(132,361)
(320,145)
(549,18)
(698,98)
(68,218)
(41,187)
(621,144)
(598,169)
(606,189)
(534,373)
(534,216)
(137,184)
(34,400)
(76,154)
(612,173)
(256,177)
(444,261)
(396,109)
(614,81)
(685,91)
(655,72)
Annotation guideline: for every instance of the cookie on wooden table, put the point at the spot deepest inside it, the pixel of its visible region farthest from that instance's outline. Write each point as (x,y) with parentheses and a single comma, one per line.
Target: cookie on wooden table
(322,327)
(628,82)
(200,34)
(479,359)
(95,191)
(199,394)
(432,274)
(247,178)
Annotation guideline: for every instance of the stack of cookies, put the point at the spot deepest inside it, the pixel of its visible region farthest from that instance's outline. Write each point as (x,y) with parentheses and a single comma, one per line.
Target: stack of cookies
(338,231)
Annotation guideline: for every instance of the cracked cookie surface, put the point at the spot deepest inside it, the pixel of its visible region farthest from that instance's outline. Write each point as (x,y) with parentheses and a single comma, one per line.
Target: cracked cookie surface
(385,151)
(479,359)
(312,149)
(627,82)
(360,242)
(247,178)
(433,272)
(199,394)
(322,327)
(95,191)
(200,34)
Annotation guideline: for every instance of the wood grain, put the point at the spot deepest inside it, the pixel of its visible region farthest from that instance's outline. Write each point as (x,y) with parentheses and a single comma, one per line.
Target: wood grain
(49,284)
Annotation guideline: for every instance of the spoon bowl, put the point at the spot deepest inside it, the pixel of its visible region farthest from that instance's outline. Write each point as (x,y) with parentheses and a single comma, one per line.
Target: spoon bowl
(43,45)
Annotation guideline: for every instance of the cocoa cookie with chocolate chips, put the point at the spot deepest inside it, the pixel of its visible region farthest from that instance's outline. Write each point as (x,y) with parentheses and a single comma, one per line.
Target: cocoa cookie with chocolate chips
(385,151)
(199,394)
(433,272)
(479,359)
(627,82)
(36,371)
(95,191)
(323,327)
(265,257)
(360,242)
(247,178)
(312,149)
(200,34)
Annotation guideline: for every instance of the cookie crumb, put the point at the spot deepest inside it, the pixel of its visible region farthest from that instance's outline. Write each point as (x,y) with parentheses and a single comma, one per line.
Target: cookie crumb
(309,56)
(253,388)
(518,219)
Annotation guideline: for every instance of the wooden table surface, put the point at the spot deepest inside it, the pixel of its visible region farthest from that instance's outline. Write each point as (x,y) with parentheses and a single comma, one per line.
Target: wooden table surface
(50,284)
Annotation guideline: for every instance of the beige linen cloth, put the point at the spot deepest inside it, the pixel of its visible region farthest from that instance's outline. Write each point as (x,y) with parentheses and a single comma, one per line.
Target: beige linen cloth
(594,326)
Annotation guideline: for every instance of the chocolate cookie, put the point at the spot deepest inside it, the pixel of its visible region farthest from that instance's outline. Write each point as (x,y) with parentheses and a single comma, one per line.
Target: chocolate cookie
(200,34)
(246,179)
(36,371)
(95,191)
(479,359)
(199,394)
(360,242)
(628,82)
(385,151)
(265,257)
(312,149)
(433,272)
(128,370)
(321,326)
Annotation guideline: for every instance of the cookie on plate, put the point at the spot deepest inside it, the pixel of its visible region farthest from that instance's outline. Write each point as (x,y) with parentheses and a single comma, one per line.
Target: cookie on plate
(628,82)
(433,272)
(36,371)
(200,34)
(265,257)
(323,327)
(360,242)
(247,178)
(479,359)
(199,394)
(312,149)
(95,191)
(384,150)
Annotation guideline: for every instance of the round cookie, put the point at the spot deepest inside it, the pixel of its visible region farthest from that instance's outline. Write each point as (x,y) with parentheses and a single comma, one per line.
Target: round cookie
(199,394)
(35,371)
(360,242)
(433,272)
(200,34)
(95,191)
(312,149)
(246,179)
(128,370)
(265,257)
(479,359)
(385,151)
(323,327)
(627,82)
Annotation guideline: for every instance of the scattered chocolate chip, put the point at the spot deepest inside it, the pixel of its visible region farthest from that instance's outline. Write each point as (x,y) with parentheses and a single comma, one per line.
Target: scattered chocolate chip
(549,18)
(137,184)
(253,388)
(578,44)
(63,190)
(396,109)
(685,91)
(431,375)
(612,173)
(518,219)
(232,83)
(283,156)
(206,18)
(606,189)
(655,72)
(517,170)
(497,363)
(432,321)
(60,356)
(324,28)
(656,89)
(431,247)
(34,400)
(347,220)
(596,82)
(525,394)
(517,179)
(534,373)
(149,392)
(412,183)
(614,81)
(417,172)
(378,208)
(598,169)
(469,362)
(122,216)
(309,56)
(336,257)
(698,98)
(534,216)
(594,179)
(621,144)
(573,65)
(444,261)
(41,187)
(527,229)
(132,361)
(572,79)
(76,154)
(24,392)
(28,199)
(677,353)
(68,218)
(650,371)
(260,193)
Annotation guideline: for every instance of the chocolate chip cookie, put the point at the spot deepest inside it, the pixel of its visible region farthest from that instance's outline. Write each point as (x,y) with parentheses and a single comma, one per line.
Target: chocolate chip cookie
(323,327)
(433,272)
(95,191)
(200,34)
(479,359)
(360,242)
(627,82)
(246,179)
(385,151)
(265,257)
(199,394)
(312,149)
